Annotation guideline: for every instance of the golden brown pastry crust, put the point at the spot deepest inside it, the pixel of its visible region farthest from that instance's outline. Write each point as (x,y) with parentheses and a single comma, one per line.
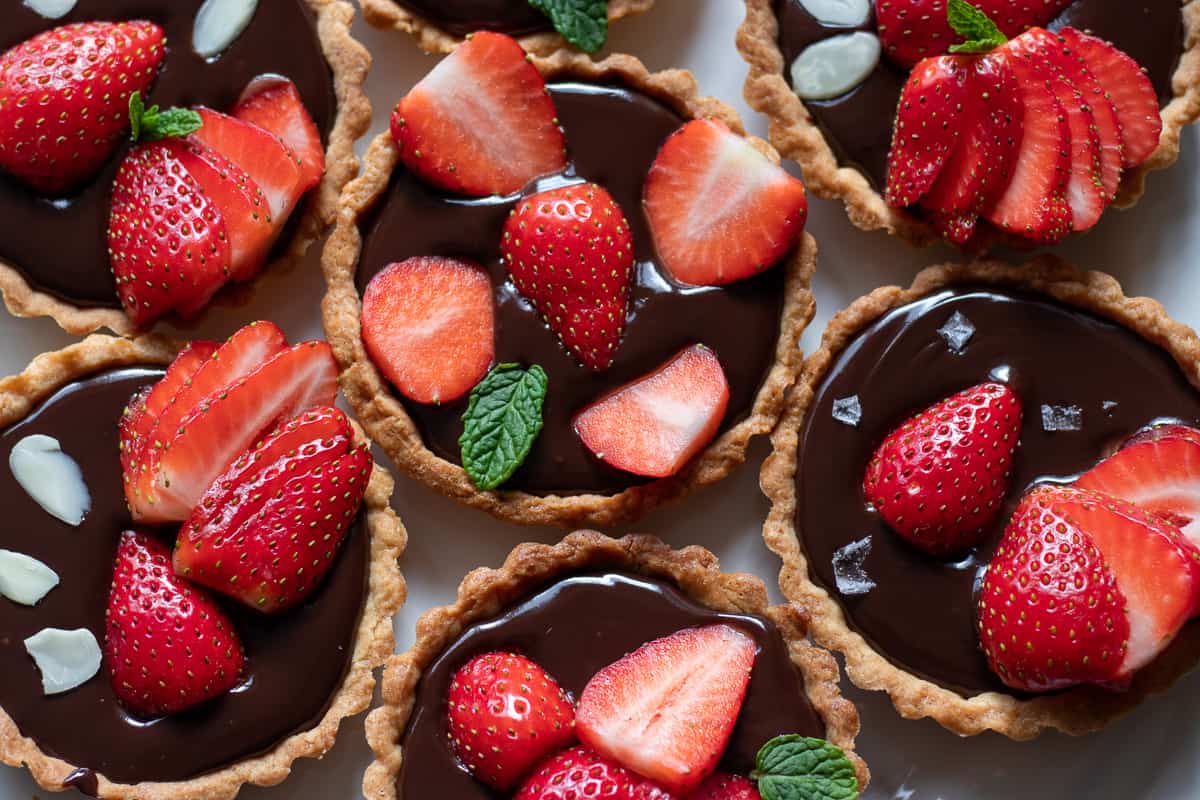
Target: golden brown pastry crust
(1077,711)
(19,395)
(349,63)
(384,416)
(796,135)
(484,593)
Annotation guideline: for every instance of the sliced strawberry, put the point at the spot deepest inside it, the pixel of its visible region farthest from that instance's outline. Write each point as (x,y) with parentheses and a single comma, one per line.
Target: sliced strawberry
(1108,126)
(666,710)
(273,103)
(579,773)
(428,326)
(718,209)
(481,122)
(131,432)
(654,425)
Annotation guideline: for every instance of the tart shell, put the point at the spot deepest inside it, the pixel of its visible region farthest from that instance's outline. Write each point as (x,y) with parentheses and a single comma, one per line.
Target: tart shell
(1077,711)
(694,570)
(375,641)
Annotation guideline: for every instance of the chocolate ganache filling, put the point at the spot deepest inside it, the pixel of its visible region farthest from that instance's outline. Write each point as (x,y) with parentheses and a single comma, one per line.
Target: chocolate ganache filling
(576,627)
(858,125)
(460,17)
(295,662)
(59,244)
(921,613)
(613,135)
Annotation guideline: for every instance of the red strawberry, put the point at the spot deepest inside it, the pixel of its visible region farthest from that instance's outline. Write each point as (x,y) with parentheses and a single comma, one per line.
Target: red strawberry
(929,121)
(64,98)
(580,773)
(718,209)
(570,252)
(428,326)
(666,710)
(273,104)
(941,477)
(267,529)
(481,122)
(168,645)
(506,714)
(654,425)
(1130,90)
(723,786)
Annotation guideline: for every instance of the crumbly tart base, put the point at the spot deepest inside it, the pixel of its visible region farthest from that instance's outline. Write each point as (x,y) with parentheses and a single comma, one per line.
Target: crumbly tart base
(349,62)
(388,14)
(384,416)
(1077,711)
(798,137)
(375,641)
(484,593)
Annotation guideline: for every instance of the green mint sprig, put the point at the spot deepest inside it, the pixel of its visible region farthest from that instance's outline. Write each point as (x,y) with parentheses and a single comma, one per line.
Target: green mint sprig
(583,23)
(797,767)
(502,420)
(151,125)
(981,34)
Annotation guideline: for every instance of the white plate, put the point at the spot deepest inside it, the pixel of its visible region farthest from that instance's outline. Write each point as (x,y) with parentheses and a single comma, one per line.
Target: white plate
(1153,249)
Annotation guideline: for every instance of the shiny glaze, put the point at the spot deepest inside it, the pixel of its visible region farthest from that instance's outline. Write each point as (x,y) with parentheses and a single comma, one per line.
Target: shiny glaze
(460,17)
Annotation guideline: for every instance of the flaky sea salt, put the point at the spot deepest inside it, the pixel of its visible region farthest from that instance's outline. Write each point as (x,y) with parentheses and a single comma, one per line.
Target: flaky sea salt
(847,410)
(848,568)
(1061,418)
(957,331)
(1109,406)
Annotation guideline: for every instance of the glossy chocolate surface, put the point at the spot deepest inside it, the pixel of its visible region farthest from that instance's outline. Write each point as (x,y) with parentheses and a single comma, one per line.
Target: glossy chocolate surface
(921,615)
(59,244)
(296,662)
(460,17)
(613,135)
(576,627)
(858,125)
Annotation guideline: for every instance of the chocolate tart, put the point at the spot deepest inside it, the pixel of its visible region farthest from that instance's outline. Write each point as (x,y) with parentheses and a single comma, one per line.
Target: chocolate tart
(53,256)
(753,325)
(1060,336)
(83,739)
(842,144)
(440,25)
(646,590)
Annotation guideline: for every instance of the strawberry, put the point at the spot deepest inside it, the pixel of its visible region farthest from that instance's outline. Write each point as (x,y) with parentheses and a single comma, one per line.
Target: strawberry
(506,714)
(64,98)
(570,252)
(580,773)
(719,210)
(273,103)
(267,529)
(723,786)
(481,122)
(168,645)
(940,478)
(666,710)
(654,425)
(428,325)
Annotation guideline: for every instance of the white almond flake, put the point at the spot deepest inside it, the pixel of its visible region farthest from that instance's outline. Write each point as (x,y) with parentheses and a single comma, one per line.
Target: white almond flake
(850,13)
(23,579)
(51,9)
(1061,418)
(66,659)
(848,410)
(219,23)
(957,331)
(834,66)
(848,569)
(50,477)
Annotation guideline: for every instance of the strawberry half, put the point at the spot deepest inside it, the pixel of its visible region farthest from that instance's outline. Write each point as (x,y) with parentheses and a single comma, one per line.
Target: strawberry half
(481,122)
(273,168)
(505,715)
(168,645)
(723,786)
(666,710)
(582,773)
(570,252)
(719,210)
(654,425)
(273,103)
(428,324)
(940,478)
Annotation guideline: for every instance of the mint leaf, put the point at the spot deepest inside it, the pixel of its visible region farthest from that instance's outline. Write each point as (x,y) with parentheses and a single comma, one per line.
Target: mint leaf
(503,417)
(151,125)
(583,23)
(976,27)
(799,768)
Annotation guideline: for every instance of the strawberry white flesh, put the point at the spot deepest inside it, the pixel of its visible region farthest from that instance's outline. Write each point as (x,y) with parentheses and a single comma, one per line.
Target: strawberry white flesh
(263,156)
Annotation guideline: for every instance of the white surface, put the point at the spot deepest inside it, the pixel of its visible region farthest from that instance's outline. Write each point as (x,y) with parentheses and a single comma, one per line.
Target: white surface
(1152,249)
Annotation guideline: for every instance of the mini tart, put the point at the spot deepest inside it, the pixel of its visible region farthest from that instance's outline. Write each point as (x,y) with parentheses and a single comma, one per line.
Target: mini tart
(1089,317)
(270,761)
(795,131)
(433,36)
(400,426)
(86,299)
(487,593)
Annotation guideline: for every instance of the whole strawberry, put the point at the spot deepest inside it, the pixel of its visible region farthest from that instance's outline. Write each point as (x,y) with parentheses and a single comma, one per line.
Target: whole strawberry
(506,714)
(168,645)
(570,252)
(941,477)
(64,96)
(581,773)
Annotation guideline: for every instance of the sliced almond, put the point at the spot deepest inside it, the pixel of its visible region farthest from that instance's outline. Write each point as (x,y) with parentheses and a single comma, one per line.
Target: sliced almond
(51,9)
(66,659)
(23,579)
(834,66)
(219,23)
(849,13)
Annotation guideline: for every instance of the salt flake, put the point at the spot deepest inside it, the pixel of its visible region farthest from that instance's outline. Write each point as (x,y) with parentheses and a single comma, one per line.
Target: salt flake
(848,569)
(957,331)
(847,410)
(1061,418)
